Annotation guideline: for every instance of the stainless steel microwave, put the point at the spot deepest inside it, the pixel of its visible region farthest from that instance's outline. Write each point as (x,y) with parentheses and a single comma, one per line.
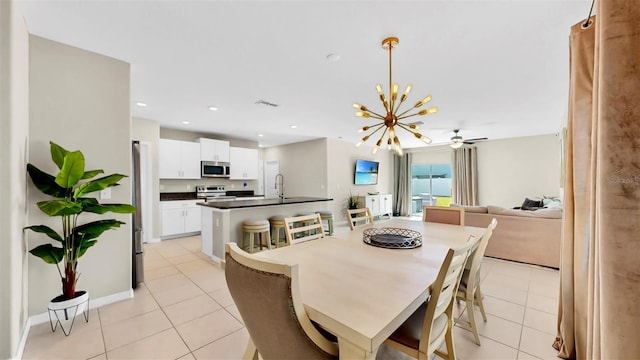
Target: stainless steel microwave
(214,169)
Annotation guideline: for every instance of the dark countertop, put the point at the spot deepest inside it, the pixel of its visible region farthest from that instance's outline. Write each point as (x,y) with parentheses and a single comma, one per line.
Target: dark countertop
(172,196)
(239,204)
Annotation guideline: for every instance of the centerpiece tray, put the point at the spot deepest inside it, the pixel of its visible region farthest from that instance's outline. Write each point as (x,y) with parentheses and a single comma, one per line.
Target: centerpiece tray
(392,238)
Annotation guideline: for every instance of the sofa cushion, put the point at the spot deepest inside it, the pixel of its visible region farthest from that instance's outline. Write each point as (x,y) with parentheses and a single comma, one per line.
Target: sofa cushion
(555,213)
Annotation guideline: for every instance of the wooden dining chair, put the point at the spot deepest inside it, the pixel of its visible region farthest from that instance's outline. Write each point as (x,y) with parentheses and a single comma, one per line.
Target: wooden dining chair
(267,295)
(469,287)
(359,218)
(443,215)
(422,334)
(303,228)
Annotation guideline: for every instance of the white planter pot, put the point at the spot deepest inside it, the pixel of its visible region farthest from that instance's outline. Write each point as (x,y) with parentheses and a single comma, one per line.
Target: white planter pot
(64,312)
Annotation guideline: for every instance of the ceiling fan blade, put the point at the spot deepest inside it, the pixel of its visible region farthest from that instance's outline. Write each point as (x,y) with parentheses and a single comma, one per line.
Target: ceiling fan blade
(472,141)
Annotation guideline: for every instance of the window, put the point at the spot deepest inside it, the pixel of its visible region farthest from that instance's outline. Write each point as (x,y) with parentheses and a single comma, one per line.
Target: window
(430,185)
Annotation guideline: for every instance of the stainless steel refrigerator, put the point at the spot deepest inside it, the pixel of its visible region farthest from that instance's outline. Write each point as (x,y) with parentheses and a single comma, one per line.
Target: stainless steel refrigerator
(136,219)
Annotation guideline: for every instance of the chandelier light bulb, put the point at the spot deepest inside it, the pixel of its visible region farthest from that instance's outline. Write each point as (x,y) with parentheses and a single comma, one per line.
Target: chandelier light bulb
(406,91)
(379,88)
(374,151)
(356,105)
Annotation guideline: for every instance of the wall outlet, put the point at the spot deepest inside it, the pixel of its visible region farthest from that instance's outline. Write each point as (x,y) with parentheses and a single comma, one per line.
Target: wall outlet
(105,194)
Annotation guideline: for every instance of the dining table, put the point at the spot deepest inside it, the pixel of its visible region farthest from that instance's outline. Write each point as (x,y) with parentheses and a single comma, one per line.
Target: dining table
(363,293)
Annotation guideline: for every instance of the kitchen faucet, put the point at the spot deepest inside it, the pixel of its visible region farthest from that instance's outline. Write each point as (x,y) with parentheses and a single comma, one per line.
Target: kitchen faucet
(281,192)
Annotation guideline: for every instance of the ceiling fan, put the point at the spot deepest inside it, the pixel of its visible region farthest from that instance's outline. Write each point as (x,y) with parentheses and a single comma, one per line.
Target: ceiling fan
(457,141)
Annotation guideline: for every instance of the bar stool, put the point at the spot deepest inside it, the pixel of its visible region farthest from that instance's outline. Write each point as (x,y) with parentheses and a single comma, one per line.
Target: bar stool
(328,216)
(253,228)
(277,225)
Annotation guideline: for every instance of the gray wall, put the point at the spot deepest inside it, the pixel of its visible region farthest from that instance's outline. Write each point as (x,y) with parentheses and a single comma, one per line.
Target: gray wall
(14,126)
(80,100)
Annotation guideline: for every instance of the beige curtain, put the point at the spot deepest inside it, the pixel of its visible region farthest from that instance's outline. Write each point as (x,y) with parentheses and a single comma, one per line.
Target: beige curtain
(402,184)
(464,188)
(599,315)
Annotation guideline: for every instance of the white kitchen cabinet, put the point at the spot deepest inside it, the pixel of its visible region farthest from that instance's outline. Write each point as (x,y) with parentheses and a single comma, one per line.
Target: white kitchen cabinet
(214,150)
(178,159)
(379,205)
(180,217)
(243,164)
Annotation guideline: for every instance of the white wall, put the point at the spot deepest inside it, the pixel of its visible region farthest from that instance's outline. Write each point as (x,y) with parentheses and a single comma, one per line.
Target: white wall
(80,100)
(325,168)
(14,126)
(509,169)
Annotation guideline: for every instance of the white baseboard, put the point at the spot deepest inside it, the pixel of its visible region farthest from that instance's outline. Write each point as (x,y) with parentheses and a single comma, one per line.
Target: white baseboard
(153,240)
(44,317)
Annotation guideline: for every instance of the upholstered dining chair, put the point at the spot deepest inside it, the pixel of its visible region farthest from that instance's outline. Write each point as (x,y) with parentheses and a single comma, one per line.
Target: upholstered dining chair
(359,218)
(422,334)
(443,214)
(469,287)
(267,296)
(303,228)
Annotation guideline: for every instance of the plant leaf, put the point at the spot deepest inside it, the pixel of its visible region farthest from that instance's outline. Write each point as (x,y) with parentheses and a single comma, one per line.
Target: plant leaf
(57,154)
(91,173)
(97,185)
(72,170)
(94,229)
(116,208)
(59,207)
(49,253)
(45,182)
(45,230)
(84,246)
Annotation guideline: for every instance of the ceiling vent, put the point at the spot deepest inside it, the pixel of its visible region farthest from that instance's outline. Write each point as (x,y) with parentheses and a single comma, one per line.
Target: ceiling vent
(266,103)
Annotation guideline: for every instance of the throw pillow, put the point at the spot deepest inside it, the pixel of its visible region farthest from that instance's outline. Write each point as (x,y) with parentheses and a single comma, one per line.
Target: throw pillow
(529,204)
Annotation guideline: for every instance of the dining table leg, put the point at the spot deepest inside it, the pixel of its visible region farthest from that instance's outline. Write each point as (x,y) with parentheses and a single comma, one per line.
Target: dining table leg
(349,351)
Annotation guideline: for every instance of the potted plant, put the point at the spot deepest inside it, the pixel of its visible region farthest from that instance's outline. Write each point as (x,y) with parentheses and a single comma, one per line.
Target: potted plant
(353,202)
(70,199)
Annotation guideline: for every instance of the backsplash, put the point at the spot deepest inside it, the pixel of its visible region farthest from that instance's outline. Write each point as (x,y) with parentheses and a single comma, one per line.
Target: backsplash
(177,185)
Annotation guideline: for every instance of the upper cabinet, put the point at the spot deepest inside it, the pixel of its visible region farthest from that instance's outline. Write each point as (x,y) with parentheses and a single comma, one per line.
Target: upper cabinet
(243,164)
(178,159)
(214,150)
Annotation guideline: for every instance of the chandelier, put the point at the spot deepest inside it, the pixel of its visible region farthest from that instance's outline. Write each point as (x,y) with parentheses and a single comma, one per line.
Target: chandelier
(391,121)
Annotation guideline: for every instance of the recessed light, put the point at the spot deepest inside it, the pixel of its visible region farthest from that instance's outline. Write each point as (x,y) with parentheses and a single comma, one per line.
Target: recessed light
(293,126)
(260,145)
(213,108)
(333,57)
(186,122)
(260,135)
(141,104)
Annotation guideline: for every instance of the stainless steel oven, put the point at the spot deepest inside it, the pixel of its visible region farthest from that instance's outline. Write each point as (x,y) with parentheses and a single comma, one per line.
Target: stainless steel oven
(214,169)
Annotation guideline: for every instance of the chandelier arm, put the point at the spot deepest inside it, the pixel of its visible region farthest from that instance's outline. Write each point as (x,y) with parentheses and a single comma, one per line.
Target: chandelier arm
(406,127)
(398,107)
(404,112)
(376,114)
(408,116)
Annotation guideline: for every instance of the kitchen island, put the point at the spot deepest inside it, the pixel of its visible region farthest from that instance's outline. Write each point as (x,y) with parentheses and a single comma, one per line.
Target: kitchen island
(222,220)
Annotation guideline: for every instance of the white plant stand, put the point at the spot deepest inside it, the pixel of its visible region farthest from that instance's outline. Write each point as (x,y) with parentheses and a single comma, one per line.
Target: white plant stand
(65,312)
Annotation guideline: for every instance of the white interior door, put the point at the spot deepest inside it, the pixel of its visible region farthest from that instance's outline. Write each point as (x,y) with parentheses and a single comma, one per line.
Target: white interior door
(271,169)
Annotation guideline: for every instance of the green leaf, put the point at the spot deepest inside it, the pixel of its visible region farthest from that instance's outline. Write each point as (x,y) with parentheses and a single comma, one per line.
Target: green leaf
(97,185)
(116,208)
(91,173)
(57,154)
(45,230)
(45,182)
(60,207)
(94,229)
(87,201)
(72,170)
(84,246)
(49,253)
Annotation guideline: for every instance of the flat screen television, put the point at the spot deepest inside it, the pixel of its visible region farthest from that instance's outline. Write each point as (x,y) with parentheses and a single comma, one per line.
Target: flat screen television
(366,172)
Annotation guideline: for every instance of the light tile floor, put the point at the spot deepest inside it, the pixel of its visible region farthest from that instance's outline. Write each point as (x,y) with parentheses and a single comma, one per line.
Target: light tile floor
(184,311)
